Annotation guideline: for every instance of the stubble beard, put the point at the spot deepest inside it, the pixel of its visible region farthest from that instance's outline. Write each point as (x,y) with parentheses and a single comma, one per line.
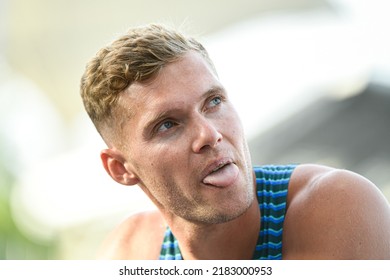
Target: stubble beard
(213,214)
(200,211)
(172,201)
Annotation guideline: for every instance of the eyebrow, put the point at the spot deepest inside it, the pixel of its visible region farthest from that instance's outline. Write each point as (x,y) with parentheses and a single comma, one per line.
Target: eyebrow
(213,90)
(165,113)
(156,118)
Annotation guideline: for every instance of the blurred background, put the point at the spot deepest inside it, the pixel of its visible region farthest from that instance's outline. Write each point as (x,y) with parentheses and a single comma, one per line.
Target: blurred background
(310,79)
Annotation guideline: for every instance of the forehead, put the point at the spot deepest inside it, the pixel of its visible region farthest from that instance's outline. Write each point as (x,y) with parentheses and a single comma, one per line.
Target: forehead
(177,83)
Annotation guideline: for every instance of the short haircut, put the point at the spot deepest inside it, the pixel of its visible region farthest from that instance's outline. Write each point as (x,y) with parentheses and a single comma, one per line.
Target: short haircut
(137,56)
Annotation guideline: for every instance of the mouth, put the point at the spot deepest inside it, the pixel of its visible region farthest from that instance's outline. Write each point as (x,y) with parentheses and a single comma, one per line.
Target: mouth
(221,173)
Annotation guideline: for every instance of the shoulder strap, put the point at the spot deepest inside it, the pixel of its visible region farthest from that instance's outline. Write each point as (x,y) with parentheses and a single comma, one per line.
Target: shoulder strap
(170,248)
(272,186)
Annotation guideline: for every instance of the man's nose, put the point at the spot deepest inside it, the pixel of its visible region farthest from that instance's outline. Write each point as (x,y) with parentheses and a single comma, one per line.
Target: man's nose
(206,135)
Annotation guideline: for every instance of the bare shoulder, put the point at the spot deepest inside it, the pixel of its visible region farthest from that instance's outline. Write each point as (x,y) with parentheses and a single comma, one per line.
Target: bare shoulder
(335,214)
(139,237)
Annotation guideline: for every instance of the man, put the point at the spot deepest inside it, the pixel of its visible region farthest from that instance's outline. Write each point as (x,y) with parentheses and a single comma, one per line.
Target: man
(155,98)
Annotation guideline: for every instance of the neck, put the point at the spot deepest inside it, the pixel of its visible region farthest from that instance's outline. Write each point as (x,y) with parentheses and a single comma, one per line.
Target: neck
(235,239)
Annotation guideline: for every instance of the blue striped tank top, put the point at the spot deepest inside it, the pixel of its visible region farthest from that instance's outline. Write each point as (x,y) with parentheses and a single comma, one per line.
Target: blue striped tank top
(272,185)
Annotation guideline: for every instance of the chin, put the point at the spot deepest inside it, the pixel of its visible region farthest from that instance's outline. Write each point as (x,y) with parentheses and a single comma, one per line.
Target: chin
(226,214)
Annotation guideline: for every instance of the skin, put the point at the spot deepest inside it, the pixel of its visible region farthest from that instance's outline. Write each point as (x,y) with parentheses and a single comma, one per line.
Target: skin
(182,125)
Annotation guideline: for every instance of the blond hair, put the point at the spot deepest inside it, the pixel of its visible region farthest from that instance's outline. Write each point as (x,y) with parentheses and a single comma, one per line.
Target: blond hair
(137,56)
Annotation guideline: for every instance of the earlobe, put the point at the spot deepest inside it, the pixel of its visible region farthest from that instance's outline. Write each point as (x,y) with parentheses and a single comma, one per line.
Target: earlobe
(114,164)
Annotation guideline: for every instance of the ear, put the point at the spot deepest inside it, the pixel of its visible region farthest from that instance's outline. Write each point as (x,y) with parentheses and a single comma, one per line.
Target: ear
(114,163)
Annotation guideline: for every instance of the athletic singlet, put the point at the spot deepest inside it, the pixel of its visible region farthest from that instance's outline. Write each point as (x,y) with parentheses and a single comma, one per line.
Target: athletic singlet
(272,184)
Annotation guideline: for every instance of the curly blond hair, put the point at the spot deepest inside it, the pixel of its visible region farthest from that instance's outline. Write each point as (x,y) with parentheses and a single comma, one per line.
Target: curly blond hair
(137,56)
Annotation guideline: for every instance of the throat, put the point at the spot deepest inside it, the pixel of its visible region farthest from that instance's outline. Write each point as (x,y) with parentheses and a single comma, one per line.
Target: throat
(234,240)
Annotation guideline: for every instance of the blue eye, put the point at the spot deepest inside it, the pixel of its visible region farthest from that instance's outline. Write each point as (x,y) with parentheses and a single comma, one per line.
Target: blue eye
(215,101)
(166,125)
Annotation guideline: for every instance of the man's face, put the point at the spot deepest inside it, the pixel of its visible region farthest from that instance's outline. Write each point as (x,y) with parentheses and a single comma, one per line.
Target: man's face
(185,144)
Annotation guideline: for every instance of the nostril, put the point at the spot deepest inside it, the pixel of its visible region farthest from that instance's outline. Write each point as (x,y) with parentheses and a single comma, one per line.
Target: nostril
(205,134)
(204,141)
(218,139)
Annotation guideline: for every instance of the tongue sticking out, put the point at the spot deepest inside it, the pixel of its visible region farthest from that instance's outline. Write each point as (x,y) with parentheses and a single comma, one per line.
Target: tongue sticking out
(222,177)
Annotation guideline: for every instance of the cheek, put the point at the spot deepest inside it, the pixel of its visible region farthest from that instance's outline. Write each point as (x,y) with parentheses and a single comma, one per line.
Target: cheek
(232,118)
(162,160)
(233,126)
